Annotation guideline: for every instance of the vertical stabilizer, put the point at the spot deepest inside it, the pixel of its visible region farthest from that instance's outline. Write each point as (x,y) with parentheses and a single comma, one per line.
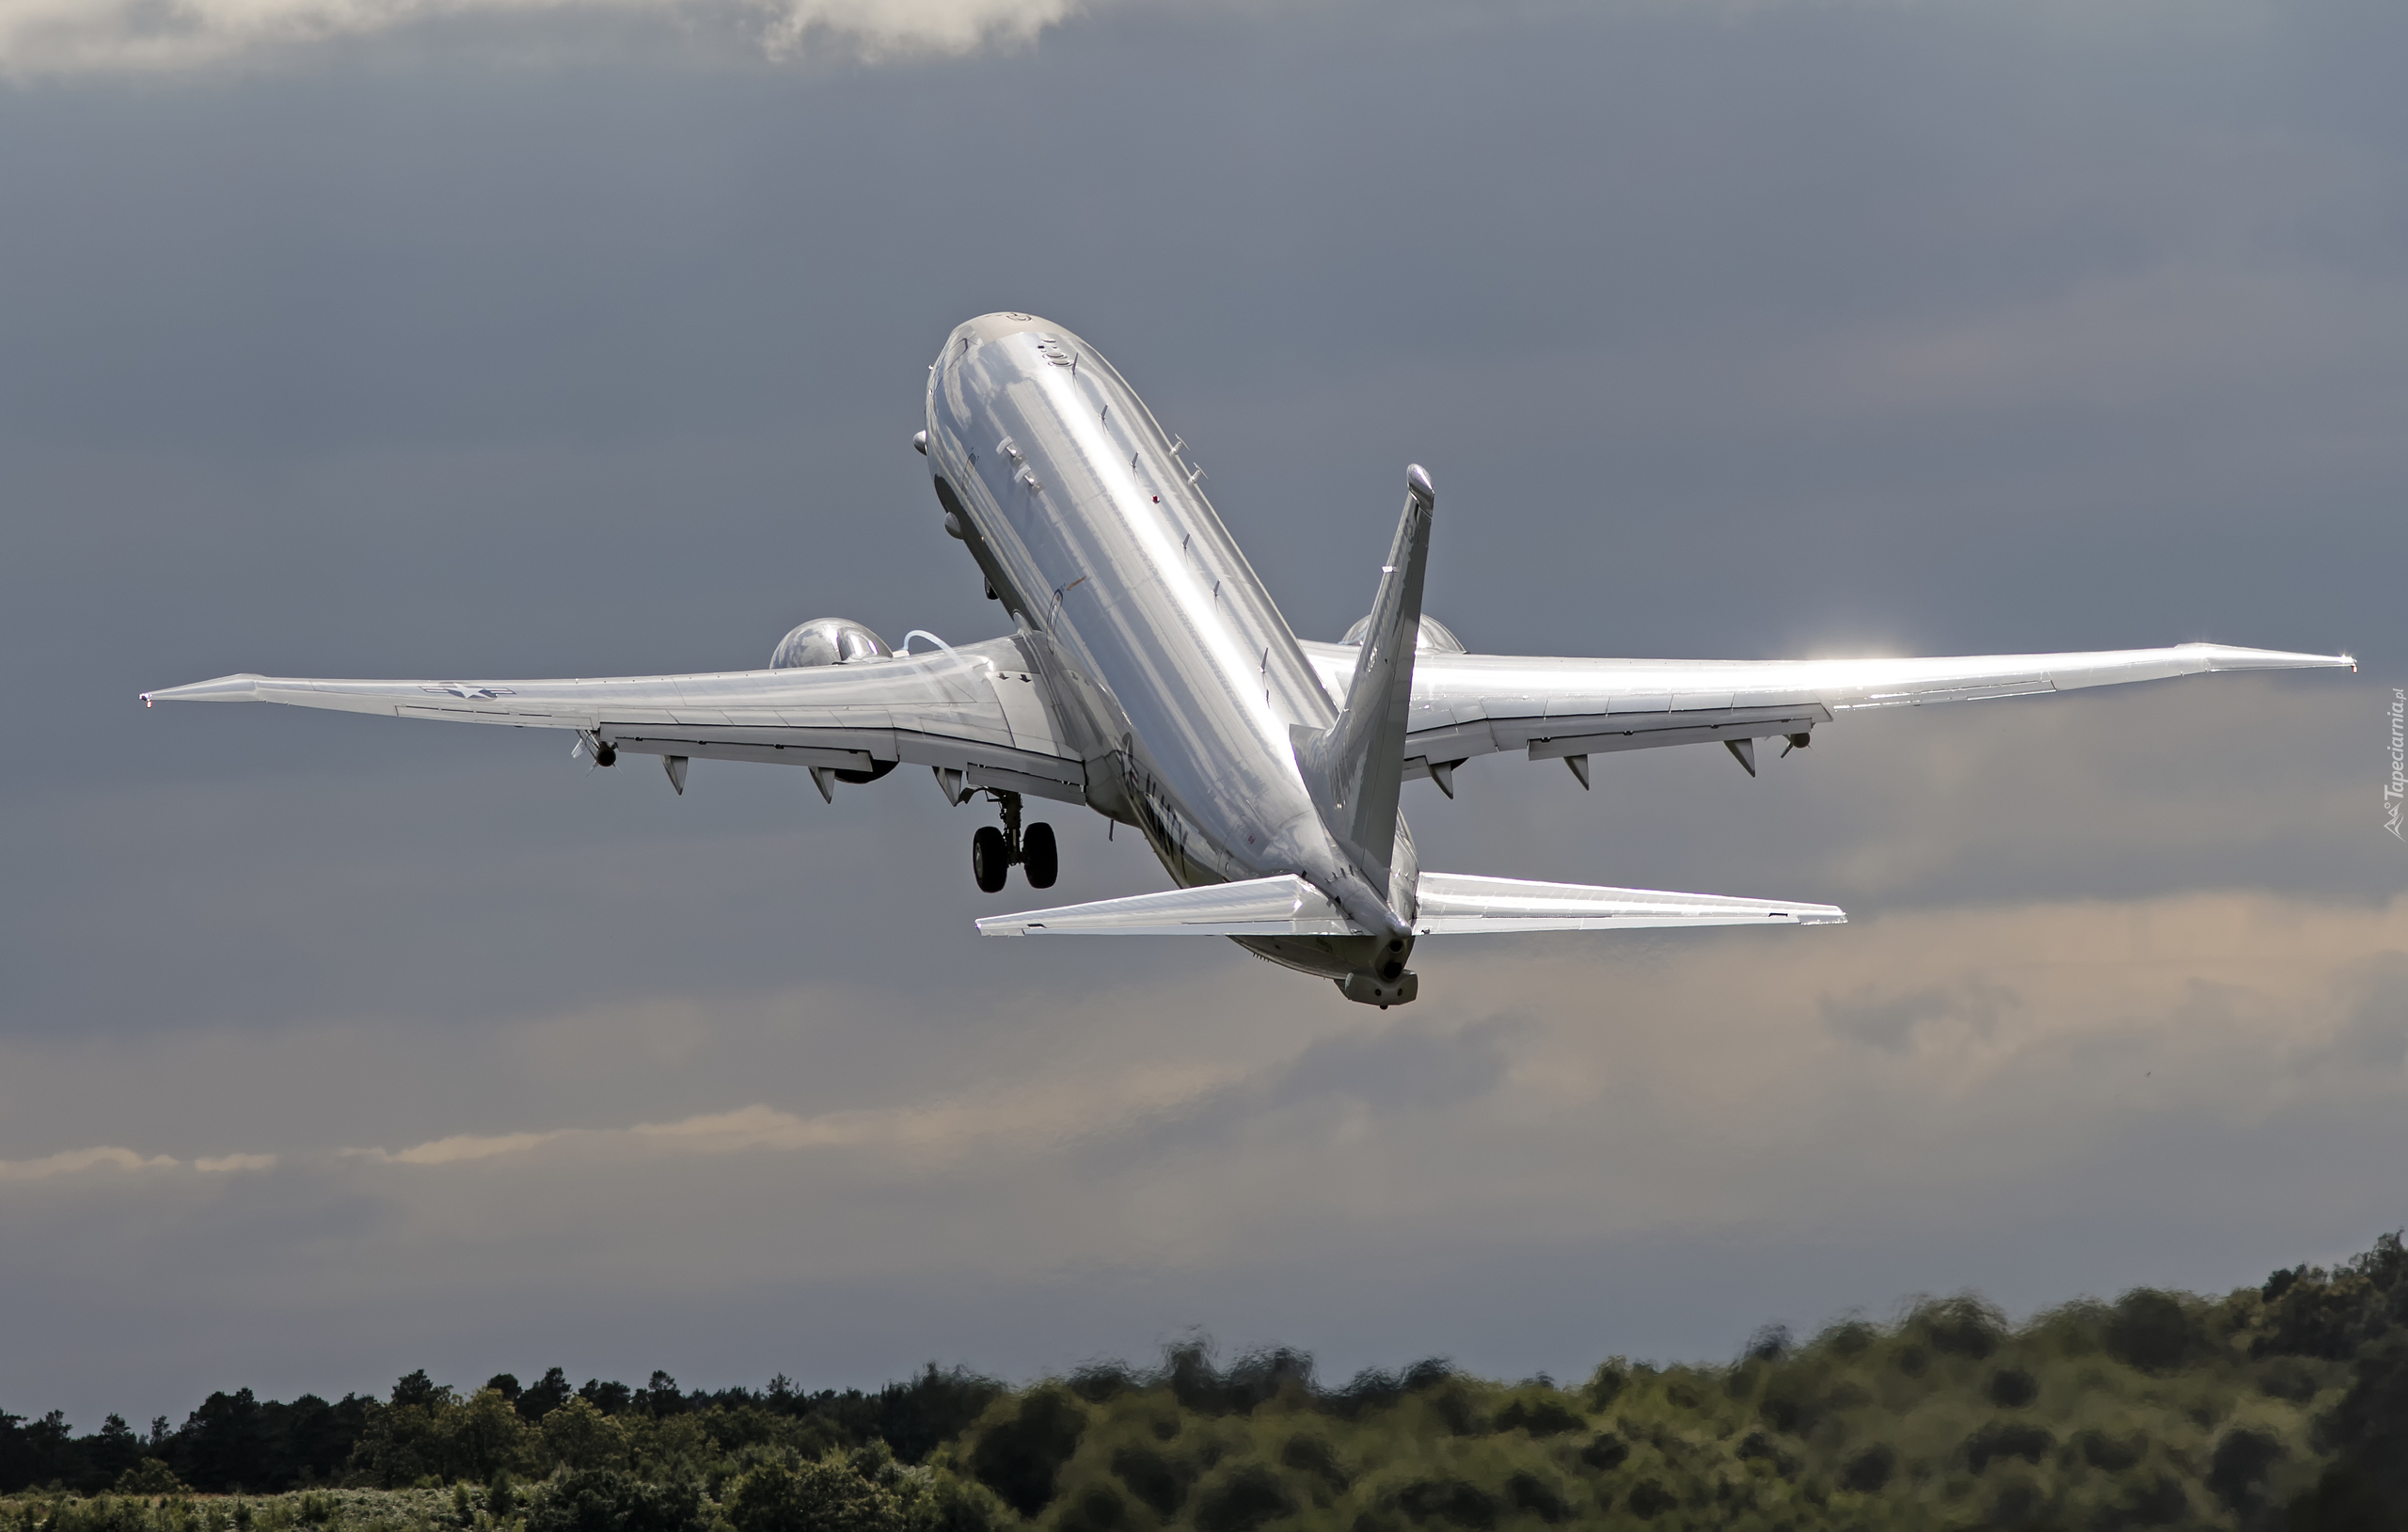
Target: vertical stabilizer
(1356,767)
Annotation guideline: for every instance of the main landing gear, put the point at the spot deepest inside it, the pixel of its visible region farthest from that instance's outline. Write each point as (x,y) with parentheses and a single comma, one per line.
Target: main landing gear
(993,851)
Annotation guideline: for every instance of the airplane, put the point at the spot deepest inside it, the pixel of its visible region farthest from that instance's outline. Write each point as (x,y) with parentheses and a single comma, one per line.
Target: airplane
(1149,677)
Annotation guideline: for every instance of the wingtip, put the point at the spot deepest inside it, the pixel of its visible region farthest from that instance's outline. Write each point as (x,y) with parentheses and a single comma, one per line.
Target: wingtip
(2226,656)
(225,689)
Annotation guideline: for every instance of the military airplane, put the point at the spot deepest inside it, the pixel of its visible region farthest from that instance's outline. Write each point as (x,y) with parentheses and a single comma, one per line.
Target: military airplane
(1149,677)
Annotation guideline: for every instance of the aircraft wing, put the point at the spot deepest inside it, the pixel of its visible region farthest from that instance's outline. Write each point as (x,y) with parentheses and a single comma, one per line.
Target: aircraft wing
(1477,704)
(980,713)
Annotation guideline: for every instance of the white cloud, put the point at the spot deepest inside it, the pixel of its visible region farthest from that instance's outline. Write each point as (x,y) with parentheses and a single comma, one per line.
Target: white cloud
(462,1148)
(1029,1115)
(221,1163)
(70,1161)
(71,35)
(110,1157)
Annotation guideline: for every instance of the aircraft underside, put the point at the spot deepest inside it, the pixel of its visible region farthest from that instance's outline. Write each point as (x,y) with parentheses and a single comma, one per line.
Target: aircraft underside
(1149,677)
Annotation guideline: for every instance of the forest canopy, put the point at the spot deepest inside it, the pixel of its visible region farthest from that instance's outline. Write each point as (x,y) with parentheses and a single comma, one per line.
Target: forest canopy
(2282,1406)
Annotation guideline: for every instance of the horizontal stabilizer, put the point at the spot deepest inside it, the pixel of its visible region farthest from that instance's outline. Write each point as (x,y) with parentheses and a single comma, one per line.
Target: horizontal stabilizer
(1281,905)
(1455,904)
(1452,904)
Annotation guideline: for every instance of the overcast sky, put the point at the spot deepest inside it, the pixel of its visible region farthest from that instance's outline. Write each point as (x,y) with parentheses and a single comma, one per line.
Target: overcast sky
(344,338)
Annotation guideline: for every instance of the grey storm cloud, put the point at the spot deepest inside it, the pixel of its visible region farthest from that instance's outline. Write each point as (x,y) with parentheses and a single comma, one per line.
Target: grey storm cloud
(588,338)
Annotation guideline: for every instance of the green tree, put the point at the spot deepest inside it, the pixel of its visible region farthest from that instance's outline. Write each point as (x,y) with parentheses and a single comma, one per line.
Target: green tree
(825,1496)
(485,1437)
(545,1395)
(578,1436)
(408,1438)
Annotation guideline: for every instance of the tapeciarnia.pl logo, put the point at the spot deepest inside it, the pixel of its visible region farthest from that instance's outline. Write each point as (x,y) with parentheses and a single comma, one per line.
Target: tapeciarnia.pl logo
(2397,788)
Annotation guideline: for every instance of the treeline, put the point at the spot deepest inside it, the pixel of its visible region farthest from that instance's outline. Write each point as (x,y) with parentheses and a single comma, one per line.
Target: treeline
(2278,1407)
(425,1433)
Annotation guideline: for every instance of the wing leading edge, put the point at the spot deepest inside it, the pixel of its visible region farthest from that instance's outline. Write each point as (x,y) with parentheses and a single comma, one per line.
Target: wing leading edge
(1478,704)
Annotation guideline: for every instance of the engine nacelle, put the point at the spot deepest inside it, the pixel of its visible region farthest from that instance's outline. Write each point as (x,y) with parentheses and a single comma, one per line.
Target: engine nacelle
(827,641)
(1432,637)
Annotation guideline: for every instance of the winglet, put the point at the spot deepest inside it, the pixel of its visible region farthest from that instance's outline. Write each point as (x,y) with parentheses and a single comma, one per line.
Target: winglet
(1355,768)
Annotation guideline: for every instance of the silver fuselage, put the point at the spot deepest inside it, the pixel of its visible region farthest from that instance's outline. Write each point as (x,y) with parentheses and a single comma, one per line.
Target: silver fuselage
(1165,653)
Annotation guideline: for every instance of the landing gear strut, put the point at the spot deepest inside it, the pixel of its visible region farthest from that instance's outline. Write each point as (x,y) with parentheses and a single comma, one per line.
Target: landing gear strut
(994,851)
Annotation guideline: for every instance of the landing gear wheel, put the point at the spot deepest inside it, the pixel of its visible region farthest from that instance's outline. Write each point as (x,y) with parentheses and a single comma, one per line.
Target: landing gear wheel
(990,859)
(1037,856)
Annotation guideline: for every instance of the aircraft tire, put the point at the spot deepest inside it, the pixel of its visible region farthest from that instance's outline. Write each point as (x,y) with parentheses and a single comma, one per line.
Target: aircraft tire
(1038,857)
(990,859)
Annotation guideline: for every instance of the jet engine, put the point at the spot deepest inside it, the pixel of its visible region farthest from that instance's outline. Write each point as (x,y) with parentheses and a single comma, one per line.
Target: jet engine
(828,640)
(1431,637)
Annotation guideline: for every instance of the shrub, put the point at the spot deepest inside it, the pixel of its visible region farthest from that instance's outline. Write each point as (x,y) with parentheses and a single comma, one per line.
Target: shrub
(2342,1501)
(1650,1499)
(2369,1426)
(1449,1500)
(1960,1326)
(1021,1457)
(2012,1388)
(149,1477)
(2157,1501)
(1159,1481)
(610,1500)
(825,1496)
(949,1503)
(2104,1452)
(1249,1497)
(1606,1383)
(1605,1453)
(2006,1439)
(1315,1456)
(2236,1472)
(1255,1378)
(1096,1509)
(1102,1383)
(2150,1330)
(1757,1445)
(1527,1492)
(1869,1470)
(1454,1409)
(1539,1417)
